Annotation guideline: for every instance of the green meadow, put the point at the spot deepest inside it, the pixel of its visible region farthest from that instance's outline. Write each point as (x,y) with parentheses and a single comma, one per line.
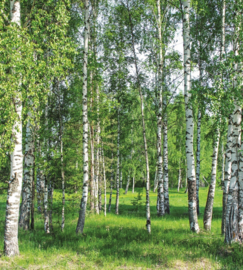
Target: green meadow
(122,242)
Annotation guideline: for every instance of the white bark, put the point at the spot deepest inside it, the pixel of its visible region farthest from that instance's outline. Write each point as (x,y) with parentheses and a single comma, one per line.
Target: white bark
(208,213)
(128,183)
(83,205)
(232,207)
(227,172)
(103,163)
(198,153)
(133,183)
(191,175)
(223,164)
(160,199)
(111,183)
(25,209)
(165,169)
(11,247)
(156,179)
(46,208)
(118,161)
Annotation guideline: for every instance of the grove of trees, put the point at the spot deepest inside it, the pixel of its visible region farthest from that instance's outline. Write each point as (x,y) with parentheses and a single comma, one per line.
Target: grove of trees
(100,95)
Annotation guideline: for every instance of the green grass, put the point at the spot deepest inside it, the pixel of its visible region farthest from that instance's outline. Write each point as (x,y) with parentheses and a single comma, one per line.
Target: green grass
(122,242)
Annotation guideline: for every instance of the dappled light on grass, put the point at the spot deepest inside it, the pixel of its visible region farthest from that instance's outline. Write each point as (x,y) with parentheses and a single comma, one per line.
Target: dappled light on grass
(122,242)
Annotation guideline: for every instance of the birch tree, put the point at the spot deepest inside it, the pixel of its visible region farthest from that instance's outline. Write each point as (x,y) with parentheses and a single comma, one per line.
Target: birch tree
(83,205)
(191,176)
(11,247)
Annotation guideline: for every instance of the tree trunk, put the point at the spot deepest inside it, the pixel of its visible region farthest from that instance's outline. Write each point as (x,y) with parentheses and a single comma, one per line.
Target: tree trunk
(32,224)
(208,212)
(232,207)
(25,208)
(166,170)
(92,182)
(133,183)
(111,184)
(103,162)
(118,161)
(228,164)
(46,208)
(50,203)
(11,247)
(83,205)
(223,164)
(161,195)
(199,116)
(62,168)
(155,179)
(120,177)
(191,175)
(128,183)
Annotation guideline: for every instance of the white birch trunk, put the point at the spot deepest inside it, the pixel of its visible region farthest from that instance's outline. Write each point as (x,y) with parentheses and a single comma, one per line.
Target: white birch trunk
(11,247)
(25,209)
(179,178)
(161,198)
(199,116)
(166,170)
(103,163)
(232,207)
(227,172)
(128,183)
(223,165)
(133,183)
(208,212)
(118,161)
(92,180)
(120,177)
(46,208)
(83,205)
(191,175)
(111,183)
(156,179)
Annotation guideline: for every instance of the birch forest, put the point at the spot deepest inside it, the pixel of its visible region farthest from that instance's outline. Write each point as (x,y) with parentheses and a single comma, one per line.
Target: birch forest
(120,134)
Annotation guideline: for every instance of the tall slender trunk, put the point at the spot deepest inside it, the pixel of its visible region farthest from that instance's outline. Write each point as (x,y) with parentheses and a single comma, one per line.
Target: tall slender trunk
(25,209)
(50,203)
(11,247)
(62,167)
(133,183)
(223,164)
(118,161)
(148,222)
(191,175)
(165,156)
(104,176)
(121,177)
(208,212)
(233,220)
(156,179)
(198,153)
(32,224)
(160,199)
(83,205)
(46,206)
(232,207)
(111,183)
(128,183)
(179,176)
(227,172)
(92,182)
(100,183)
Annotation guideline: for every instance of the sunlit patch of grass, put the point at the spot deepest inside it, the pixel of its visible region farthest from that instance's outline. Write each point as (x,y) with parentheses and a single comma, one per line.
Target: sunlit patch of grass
(122,242)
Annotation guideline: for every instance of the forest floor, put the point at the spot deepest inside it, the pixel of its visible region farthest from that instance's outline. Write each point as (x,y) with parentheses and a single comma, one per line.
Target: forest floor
(122,242)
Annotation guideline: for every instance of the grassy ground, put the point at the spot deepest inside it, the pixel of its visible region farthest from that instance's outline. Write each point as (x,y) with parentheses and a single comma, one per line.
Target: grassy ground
(122,242)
